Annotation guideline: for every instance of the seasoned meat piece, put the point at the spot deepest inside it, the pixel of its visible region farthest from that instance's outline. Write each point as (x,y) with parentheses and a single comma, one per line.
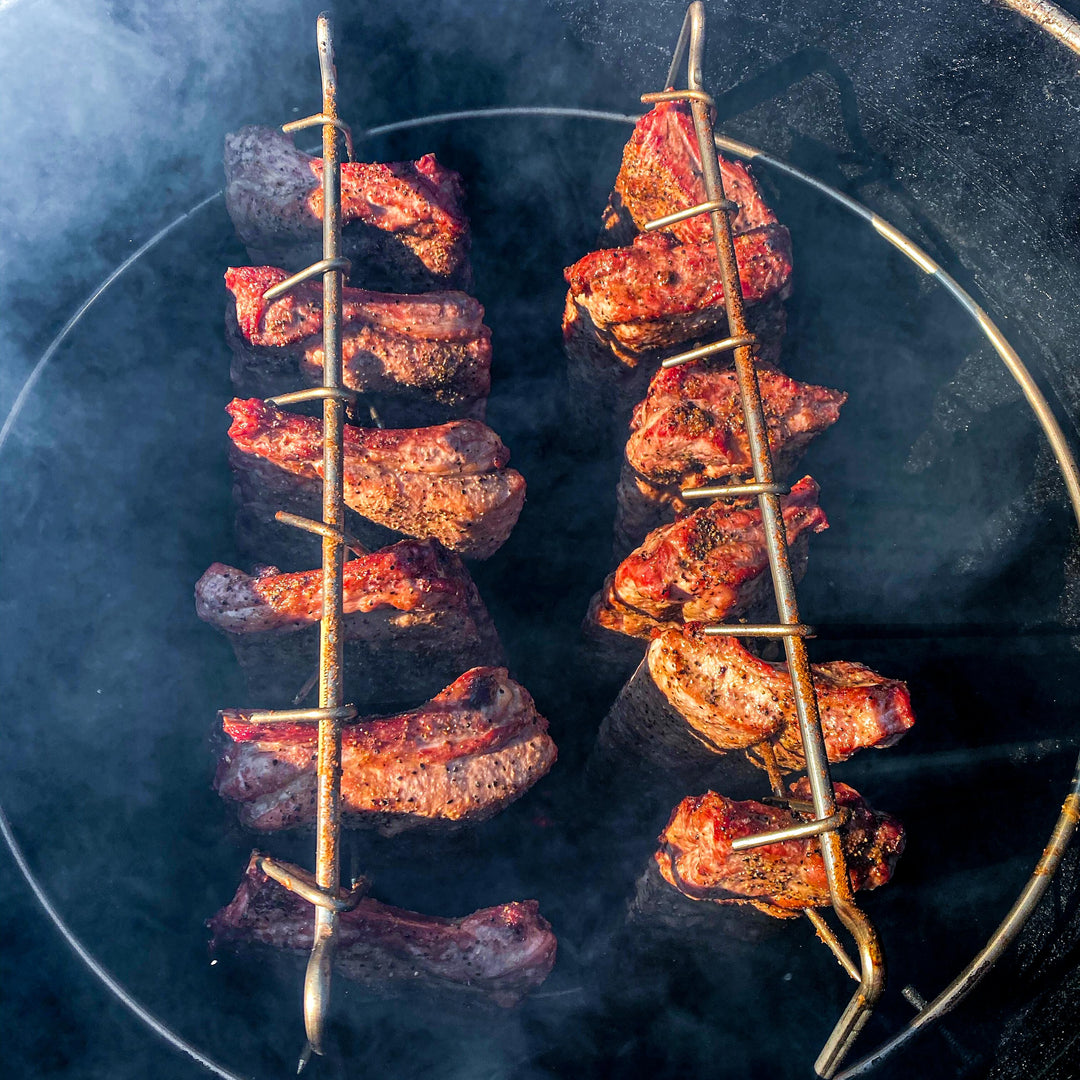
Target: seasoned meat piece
(413,621)
(708,565)
(499,952)
(448,482)
(690,431)
(658,292)
(695,854)
(661,173)
(696,696)
(402,223)
(628,308)
(462,757)
(420,359)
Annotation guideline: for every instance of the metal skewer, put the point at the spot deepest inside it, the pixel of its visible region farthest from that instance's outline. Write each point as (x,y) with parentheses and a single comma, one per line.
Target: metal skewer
(328,809)
(871,969)
(324,891)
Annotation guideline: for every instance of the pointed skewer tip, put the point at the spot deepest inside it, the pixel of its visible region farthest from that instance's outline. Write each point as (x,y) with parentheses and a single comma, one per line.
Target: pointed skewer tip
(305,1057)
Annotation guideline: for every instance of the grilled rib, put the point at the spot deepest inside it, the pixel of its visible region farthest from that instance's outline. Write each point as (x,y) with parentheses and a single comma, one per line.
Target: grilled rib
(462,757)
(402,223)
(499,952)
(661,173)
(697,695)
(689,431)
(782,879)
(413,621)
(658,293)
(448,482)
(420,359)
(628,308)
(706,566)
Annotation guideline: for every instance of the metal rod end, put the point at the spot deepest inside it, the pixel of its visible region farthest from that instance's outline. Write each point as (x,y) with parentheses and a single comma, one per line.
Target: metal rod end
(305,1057)
(325,37)
(317,988)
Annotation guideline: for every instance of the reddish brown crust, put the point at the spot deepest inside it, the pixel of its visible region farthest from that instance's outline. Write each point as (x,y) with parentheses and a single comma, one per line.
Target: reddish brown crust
(736,700)
(447,481)
(502,952)
(462,447)
(425,355)
(419,197)
(695,854)
(452,724)
(707,565)
(452,316)
(657,278)
(689,431)
(661,173)
(690,428)
(403,220)
(463,756)
(409,575)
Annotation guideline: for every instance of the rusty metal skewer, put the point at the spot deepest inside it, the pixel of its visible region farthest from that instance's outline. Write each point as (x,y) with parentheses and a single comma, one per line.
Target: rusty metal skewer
(325,890)
(690,46)
(328,805)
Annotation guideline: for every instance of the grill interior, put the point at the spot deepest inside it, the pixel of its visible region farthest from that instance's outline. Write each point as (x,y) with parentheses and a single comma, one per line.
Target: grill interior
(945,565)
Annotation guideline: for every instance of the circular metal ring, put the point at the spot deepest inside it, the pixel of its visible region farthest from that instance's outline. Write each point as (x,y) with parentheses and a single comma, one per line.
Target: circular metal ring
(1067,821)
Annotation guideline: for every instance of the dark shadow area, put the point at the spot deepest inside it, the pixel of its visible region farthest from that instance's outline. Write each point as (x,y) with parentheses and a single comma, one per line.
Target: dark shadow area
(945,563)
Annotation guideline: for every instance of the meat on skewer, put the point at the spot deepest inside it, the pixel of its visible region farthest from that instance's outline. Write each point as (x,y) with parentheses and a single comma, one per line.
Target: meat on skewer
(707,566)
(627,308)
(462,757)
(661,173)
(500,953)
(696,696)
(448,482)
(403,225)
(689,431)
(695,854)
(658,293)
(419,359)
(413,620)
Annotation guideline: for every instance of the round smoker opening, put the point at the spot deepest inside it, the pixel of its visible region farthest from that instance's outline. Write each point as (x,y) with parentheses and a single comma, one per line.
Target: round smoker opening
(137,527)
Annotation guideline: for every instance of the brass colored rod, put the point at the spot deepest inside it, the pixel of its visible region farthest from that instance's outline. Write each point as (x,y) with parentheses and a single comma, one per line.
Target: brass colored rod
(794,832)
(692,43)
(328,797)
(761,630)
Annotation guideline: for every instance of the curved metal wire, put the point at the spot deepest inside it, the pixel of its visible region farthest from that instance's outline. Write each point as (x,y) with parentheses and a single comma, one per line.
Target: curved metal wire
(1064,827)
(691,47)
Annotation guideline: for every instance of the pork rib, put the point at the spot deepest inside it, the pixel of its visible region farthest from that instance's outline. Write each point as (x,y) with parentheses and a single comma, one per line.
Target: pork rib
(696,696)
(413,621)
(499,952)
(661,173)
(462,757)
(689,431)
(420,359)
(706,566)
(449,482)
(658,293)
(402,223)
(695,854)
(628,308)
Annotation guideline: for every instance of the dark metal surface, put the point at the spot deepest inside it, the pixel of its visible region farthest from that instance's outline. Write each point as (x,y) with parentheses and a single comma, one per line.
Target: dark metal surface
(864,391)
(932,117)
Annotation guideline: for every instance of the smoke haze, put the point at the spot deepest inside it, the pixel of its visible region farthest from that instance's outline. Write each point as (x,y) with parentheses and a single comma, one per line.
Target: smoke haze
(956,122)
